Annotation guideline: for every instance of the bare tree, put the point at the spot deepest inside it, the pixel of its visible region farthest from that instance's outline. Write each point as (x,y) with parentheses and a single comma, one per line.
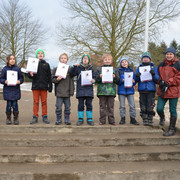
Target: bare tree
(114,26)
(20,32)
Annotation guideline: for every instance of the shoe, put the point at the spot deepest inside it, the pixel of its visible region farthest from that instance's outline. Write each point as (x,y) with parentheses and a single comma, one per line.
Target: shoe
(113,123)
(122,121)
(162,120)
(58,123)
(91,123)
(58,119)
(45,119)
(171,131)
(79,123)
(133,121)
(34,120)
(8,120)
(80,116)
(101,123)
(89,118)
(67,120)
(16,121)
(145,122)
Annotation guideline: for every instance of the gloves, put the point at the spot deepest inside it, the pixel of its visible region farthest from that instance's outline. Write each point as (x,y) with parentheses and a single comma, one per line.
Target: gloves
(163,86)
(138,74)
(152,72)
(161,83)
(50,89)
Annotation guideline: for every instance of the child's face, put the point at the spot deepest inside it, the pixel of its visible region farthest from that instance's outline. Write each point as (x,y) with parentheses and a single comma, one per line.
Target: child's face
(12,61)
(63,59)
(107,60)
(146,59)
(124,64)
(169,56)
(85,60)
(40,55)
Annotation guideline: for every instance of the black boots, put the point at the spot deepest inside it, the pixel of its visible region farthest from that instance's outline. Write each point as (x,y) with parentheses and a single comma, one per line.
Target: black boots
(8,120)
(133,121)
(162,119)
(16,121)
(171,131)
(122,121)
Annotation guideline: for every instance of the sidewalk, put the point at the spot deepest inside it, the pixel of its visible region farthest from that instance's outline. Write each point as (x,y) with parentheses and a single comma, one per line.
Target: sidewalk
(26,109)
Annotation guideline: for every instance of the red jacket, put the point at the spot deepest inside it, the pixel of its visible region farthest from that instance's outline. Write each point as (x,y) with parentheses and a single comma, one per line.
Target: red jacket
(169,71)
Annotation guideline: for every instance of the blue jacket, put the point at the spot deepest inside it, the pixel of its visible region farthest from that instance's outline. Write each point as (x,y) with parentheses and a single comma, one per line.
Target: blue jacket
(11,92)
(121,89)
(148,85)
(83,91)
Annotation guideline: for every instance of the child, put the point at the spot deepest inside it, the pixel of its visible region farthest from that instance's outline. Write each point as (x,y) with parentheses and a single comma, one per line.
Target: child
(106,92)
(169,88)
(64,88)
(11,93)
(41,83)
(124,92)
(147,90)
(84,93)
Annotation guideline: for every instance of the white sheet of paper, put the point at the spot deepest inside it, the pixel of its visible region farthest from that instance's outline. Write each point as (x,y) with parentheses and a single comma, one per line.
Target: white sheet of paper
(145,74)
(107,74)
(62,70)
(128,79)
(12,77)
(23,70)
(86,77)
(32,65)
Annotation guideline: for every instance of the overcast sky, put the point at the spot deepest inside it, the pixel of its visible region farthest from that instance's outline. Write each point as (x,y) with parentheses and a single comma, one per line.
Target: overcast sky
(53,11)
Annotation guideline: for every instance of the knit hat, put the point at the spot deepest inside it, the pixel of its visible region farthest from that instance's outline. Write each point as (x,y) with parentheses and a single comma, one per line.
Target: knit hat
(122,59)
(87,56)
(171,49)
(38,50)
(146,54)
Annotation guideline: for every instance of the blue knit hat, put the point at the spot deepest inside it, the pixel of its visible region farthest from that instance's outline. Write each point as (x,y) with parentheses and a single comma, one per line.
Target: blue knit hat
(171,49)
(146,54)
(122,59)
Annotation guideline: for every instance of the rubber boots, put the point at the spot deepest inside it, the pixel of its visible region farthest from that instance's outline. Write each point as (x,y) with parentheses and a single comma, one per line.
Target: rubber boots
(81,117)
(67,119)
(89,118)
(171,131)
(133,121)
(16,119)
(8,120)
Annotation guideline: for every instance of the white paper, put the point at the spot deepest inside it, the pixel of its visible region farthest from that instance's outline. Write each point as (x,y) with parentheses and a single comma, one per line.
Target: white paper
(107,74)
(23,70)
(128,79)
(12,77)
(32,65)
(86,77)
(62,70)
(145,73)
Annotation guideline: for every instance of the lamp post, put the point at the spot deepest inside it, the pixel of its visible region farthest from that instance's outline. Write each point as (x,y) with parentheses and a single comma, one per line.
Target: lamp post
(147,26)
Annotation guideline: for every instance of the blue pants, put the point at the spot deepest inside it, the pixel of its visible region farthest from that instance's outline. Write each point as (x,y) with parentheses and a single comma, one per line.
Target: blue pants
(59,103)
(12,104)
(88,103)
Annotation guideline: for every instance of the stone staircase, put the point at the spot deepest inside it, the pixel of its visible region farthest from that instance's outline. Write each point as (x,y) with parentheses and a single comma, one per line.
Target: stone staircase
(47,152)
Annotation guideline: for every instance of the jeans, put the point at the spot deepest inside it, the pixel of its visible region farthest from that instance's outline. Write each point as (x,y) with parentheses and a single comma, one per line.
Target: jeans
(88,103)
(59,103)
(132,108)
(12,104)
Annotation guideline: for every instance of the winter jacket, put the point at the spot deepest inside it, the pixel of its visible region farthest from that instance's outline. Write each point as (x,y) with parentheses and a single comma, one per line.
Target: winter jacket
(169,71)
(121,89)
(42,80)
(64,87)
(11,93)
(106,89)
(83,91)
(148,85)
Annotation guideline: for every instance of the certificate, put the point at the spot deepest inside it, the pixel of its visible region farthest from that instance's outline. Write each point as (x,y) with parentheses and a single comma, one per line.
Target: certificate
(107,74)
(12,77)
(145,73)
(62,70)
(32,65)
(128,79)
(86,77)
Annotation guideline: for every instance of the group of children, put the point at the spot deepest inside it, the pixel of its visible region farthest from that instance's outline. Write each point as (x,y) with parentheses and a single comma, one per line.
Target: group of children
(167,75)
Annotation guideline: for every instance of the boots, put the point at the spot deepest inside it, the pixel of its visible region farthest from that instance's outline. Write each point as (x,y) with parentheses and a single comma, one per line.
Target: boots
(162,120)
(150,120)
(34,120)
(171,131)
(16,114)
(123,120)
(58,119)
(45,119)
(89,118)
(8,120)
(145,119)
(80,116)
(67,119)
(133,121)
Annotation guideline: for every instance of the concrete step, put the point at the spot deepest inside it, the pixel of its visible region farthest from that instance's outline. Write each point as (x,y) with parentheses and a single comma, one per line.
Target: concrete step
(88,154)
(64,129)
(151,170)
(81,139)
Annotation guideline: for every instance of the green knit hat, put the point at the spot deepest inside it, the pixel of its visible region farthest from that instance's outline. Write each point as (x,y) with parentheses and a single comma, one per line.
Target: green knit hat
(146,54)
(38,50)
(87,56)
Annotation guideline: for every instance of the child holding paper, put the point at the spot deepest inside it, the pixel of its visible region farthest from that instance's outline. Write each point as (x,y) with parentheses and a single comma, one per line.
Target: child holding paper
(41,83)
(126,90)
(106,90)
(64,88)
(147,88)
(11,92)
(84,93)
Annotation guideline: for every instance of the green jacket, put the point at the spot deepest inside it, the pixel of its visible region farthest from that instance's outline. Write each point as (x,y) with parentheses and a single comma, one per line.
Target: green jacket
(106,89)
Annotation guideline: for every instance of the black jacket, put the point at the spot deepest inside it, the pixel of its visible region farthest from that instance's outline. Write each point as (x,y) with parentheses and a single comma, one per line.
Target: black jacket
(42,80)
